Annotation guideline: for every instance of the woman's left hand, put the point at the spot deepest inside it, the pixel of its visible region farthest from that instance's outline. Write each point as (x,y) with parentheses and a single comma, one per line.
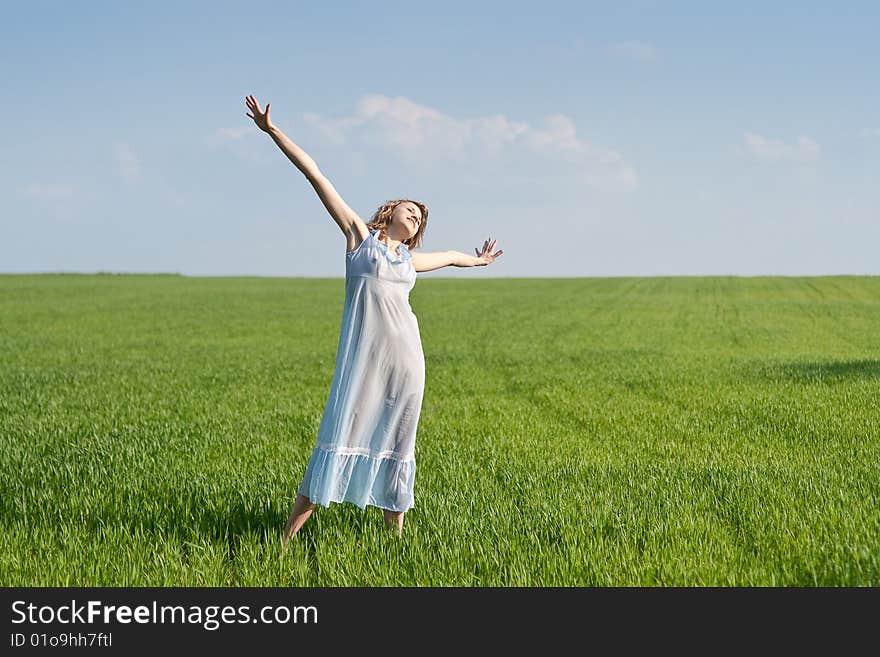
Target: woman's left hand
(485,256)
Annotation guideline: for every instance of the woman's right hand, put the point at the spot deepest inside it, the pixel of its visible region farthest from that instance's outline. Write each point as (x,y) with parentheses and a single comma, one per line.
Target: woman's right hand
(260,118)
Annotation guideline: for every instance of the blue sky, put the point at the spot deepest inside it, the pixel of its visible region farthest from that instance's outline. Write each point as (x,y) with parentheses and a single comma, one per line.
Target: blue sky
(590,139)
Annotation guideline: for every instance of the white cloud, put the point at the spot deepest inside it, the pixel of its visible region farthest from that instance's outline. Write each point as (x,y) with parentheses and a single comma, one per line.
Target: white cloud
(567,50)
(804,149)
(129,162)
(332,130)
(492,133)
(870,133)
(244,142)
(61,203)
(559,135)
(420,133)
(233,134)
(397,124)
(638,51)
(47,192)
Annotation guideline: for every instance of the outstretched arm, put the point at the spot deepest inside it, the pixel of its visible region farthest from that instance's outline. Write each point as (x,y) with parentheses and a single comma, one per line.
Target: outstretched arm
(431,261)
(346,218)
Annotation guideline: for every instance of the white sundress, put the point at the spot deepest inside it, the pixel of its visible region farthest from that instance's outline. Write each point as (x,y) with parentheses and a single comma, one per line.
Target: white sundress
(365,452)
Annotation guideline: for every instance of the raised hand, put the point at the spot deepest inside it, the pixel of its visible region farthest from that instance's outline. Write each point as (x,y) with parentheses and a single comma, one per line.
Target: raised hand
(485,255)
(260,117)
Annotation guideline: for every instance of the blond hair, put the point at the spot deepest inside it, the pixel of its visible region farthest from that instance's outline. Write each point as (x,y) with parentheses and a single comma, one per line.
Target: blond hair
(382,216)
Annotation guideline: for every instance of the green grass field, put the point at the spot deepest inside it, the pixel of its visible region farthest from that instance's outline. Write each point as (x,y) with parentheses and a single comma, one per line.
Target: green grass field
(680,431)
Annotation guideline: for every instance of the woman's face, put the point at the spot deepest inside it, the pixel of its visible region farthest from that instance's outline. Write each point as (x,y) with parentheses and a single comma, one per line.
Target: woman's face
(408,218)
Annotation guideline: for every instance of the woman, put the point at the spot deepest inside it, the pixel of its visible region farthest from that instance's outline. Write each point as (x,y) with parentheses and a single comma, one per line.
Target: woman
(365,452)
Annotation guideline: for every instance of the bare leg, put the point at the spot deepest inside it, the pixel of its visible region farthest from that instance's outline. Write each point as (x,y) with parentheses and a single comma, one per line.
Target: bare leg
(302,509)
(394,520)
